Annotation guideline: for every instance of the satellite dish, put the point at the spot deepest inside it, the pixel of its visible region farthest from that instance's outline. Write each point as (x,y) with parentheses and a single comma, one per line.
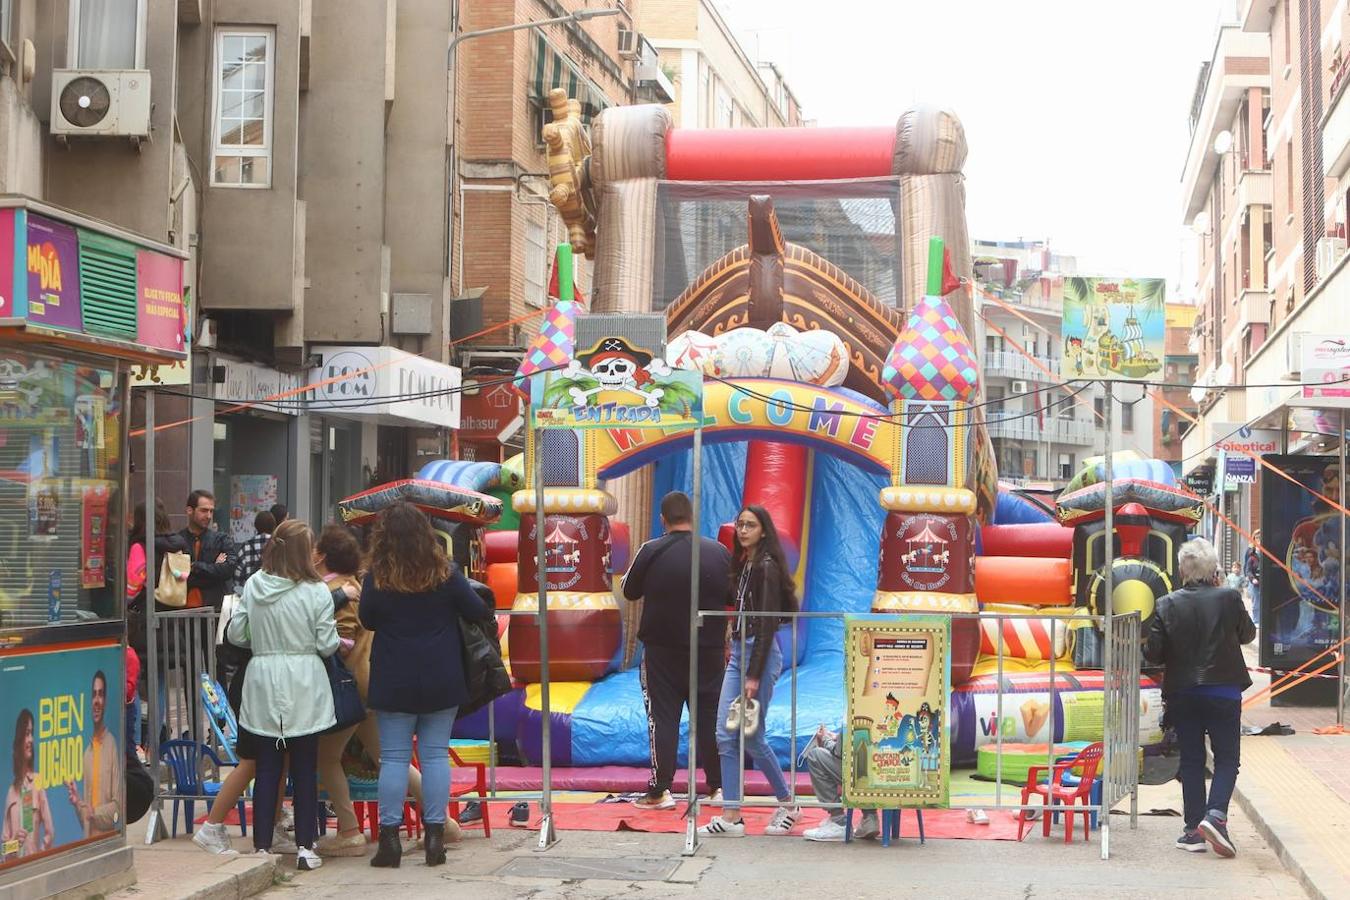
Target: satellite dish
(1200,224)
(1223,142)
(1224,375)
(1198,393)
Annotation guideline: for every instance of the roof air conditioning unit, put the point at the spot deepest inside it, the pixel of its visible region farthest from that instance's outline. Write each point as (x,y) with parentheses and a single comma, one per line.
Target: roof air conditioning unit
(1329,252)
(101,102)
(1020,387)
(628,43)
(1293,356)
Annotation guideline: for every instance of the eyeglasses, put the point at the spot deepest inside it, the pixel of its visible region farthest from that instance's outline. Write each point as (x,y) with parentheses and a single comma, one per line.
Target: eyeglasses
(746,526)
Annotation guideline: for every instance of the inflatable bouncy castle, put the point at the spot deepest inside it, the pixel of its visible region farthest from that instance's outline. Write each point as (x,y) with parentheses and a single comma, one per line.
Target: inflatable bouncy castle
(841,392)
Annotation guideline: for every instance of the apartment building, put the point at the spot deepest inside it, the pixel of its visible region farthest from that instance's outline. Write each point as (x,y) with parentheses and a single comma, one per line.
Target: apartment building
(716,82)
(1264,188)
(1041,437)
(1181,366)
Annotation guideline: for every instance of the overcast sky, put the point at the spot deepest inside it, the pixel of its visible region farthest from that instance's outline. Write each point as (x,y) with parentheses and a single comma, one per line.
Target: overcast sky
(1075,110)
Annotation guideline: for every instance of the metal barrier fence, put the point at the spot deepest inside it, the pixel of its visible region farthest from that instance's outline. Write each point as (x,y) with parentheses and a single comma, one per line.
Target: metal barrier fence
(187,641)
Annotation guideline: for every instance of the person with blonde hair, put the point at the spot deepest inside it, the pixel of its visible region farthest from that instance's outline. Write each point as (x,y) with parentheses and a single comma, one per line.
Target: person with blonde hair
(286,619)
(412,598)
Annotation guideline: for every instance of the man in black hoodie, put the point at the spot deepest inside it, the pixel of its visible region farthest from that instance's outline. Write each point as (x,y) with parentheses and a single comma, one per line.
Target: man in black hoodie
(660,574)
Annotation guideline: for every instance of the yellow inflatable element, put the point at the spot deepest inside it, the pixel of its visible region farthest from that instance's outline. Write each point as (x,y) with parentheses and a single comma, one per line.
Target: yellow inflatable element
(908,601)
(566,600)
(563,696)
(921,498)
(567,501)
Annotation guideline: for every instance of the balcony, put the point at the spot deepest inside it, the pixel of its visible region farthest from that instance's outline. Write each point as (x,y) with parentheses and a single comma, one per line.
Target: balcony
(1336,131)
(1011,364)
(1054,431)
(1241,61)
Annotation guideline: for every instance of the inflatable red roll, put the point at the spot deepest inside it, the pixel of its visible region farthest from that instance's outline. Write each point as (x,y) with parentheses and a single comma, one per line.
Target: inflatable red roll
(620,547)
(726,536)
(775,478)
(779,154)
(500,546)
(1023,581)
(1048,540)
(501,578)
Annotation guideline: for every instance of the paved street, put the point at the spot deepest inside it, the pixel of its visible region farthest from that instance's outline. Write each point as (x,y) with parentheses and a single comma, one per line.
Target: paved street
(1143,864)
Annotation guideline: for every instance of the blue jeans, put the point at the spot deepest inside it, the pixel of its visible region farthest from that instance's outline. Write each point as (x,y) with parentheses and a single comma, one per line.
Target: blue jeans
(729,742)
(1221,719)
(433,752)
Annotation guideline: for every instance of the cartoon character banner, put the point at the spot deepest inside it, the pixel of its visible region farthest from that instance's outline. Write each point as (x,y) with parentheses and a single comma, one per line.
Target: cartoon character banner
(1299,614)
(1113,328)
(63,715)
(616,385)
(896,675)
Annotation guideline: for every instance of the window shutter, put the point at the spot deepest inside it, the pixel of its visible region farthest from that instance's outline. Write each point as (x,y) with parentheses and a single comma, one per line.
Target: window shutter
(1314,184)
(108,285)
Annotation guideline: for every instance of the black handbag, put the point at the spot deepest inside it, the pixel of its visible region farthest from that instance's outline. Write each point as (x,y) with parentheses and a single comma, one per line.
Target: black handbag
(347,708)
(485,674)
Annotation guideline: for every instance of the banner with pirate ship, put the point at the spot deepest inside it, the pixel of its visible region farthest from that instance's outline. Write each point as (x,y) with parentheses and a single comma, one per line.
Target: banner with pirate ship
(1113,328)
(616,385)
(896,673)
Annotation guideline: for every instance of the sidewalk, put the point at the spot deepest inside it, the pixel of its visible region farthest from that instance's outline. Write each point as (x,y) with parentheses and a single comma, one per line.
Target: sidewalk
(1296,791)
(178,868)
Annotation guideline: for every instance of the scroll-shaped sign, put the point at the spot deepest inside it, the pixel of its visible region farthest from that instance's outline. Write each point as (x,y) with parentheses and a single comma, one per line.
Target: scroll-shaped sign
(616,385)
(896,750)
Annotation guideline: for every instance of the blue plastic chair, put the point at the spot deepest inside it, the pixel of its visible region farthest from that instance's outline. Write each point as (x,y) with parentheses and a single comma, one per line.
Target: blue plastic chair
(890,825)
(184,761)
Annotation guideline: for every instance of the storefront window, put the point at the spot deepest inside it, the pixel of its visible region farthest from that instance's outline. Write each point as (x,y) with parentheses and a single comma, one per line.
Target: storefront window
(60,462)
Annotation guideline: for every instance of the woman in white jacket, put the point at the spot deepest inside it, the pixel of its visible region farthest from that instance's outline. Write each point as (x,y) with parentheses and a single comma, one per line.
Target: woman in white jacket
(286,619)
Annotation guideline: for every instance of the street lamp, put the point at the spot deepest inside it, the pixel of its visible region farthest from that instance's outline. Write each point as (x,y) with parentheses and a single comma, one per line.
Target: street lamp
(581,15)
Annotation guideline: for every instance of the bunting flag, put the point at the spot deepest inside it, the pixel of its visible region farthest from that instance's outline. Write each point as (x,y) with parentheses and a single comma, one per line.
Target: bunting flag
(553,346)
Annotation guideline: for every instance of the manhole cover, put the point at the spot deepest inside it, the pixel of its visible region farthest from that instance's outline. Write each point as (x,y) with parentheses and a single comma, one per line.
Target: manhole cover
(570,868)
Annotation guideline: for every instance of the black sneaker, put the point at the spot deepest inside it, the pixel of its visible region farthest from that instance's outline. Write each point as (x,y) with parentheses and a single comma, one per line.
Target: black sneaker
(520,815)
(472,812)
(1215,830)
(1192,842)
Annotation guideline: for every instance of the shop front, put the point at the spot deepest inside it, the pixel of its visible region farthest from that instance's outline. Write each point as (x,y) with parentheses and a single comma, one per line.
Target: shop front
(383,413)
(81,305)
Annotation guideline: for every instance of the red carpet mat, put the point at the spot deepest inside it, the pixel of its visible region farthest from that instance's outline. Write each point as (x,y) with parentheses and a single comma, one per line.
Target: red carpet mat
(939,824)
(608,779)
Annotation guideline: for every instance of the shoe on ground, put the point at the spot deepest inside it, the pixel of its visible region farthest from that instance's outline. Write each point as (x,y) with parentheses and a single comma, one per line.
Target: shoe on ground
(1215,830)
(784,819)
(214,839)
(472,812)
(826,832)
(520,815)
(663,800)
(1192,842)
(868,829)
(720,827)
(338,845)
(306,859)
(282,842)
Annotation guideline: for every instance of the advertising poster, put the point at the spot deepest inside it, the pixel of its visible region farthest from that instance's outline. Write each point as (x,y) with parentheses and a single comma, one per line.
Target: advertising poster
(1326,366)
(617,385)
(1298,614)
(1113,328)
(7,307)
(62,713)
(93,536)
(249,495)
(44,503)
(896,673)
(53,274)
(159,301)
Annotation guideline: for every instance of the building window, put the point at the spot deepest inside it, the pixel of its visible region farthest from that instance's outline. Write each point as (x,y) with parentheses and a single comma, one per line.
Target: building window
(1127,417)
(242,113)
(1099,408)
(996,394)
(106,34)
(1066,465)
(536,263)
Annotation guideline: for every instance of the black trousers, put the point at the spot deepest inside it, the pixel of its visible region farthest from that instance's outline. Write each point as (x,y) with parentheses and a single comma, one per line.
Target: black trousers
(665,690)
(272,752)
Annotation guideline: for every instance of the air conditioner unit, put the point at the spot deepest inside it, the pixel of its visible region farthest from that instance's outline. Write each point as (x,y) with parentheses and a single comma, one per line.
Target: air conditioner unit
(628,43)
(101,102)
(1293,355)
(1329,252)
(1020,387)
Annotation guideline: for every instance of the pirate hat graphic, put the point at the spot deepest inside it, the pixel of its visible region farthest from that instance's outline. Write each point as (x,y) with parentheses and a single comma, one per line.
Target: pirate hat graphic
(614,348)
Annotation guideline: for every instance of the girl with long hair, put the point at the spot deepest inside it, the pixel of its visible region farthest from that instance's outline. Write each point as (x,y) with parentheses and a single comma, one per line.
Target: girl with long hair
(763,584)
(26,810)
(412,599)
(286,619)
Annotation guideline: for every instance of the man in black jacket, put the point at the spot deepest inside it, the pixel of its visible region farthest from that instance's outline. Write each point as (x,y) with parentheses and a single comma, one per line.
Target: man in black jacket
(1197,633)
(213,553)
(660,574)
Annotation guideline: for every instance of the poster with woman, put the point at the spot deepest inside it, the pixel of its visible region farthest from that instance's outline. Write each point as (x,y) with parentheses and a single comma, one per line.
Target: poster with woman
(1299,600)
(61,715)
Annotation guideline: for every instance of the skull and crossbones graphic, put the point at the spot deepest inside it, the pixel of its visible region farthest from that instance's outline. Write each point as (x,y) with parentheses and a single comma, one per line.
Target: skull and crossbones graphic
(618,366)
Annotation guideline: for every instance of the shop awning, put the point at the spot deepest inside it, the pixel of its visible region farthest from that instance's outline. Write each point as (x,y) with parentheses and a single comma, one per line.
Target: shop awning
(552,69)
(386,385)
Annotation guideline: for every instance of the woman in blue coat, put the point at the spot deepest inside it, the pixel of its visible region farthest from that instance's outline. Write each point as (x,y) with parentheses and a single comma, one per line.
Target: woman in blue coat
(412,600)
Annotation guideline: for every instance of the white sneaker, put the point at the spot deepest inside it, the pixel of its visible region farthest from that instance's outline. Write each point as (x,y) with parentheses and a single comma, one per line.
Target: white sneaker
(306,859)
(214,839)
(828,831)
(868,829)
(720,827)
(662,800)
(784,818)
(282,842)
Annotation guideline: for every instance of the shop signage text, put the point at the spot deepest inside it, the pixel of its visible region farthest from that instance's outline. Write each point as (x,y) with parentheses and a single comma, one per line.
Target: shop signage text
(393,383)
(1326,360)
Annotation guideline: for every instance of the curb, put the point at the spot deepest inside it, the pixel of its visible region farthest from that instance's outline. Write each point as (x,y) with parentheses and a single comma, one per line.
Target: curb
(1289,860)
(236,880)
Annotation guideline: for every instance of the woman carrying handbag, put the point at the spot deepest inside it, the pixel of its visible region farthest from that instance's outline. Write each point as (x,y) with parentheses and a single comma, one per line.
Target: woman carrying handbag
(286,618)
(412,599)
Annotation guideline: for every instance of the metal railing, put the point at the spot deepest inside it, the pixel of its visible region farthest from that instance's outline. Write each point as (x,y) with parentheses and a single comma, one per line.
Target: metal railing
(1005,364)
(1055,430)
(1120,681)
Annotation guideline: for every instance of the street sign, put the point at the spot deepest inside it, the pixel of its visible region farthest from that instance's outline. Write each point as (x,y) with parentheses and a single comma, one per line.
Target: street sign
(1238,470)
(1326,361)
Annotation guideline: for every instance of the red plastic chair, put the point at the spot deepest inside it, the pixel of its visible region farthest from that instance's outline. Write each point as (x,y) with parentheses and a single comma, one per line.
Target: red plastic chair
(1055,793)
(479,786)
